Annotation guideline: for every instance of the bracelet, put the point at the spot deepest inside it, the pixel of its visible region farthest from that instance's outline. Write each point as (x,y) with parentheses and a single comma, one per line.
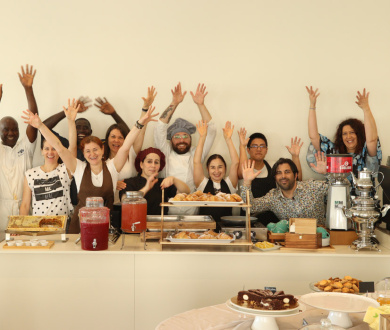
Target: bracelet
(312,108)
(138,125)
(144,110)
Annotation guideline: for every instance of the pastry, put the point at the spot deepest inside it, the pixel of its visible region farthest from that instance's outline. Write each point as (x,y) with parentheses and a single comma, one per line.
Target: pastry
(266,299)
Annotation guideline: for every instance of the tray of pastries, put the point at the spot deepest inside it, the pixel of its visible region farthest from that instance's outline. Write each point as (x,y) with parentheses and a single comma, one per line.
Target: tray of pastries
(347,284)
(32,223)
(201,198)
(200,237)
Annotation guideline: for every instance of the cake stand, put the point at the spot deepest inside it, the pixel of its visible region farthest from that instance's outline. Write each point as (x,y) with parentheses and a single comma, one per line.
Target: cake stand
(264,320)
(339,305)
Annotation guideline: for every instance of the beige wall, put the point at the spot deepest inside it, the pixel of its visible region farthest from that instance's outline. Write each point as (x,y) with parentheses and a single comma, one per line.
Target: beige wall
(254,56)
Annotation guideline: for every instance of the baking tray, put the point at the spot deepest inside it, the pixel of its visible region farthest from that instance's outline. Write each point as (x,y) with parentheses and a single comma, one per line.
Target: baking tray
(199,241)
(204,203)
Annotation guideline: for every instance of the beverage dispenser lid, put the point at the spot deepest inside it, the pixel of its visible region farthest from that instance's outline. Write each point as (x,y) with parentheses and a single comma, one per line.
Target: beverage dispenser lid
(132,194)
(94,202)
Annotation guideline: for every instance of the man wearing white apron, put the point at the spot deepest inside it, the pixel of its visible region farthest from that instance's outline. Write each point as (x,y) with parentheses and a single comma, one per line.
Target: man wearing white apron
(175,141)
(15,154)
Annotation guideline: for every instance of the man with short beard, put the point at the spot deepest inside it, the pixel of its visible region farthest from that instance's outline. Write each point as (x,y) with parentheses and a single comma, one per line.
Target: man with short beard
(16,155)
(175,141)
(291,198)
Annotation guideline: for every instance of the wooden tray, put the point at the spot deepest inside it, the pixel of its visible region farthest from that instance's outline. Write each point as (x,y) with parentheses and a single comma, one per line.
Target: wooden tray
(275,237)
(24,247)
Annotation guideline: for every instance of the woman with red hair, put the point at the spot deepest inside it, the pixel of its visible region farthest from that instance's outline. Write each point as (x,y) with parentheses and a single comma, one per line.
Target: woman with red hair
(95,177)
(149,163)
(352,137)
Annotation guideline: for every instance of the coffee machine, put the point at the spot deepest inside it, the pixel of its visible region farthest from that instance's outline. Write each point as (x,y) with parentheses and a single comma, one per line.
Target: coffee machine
(365,210)
(339,166)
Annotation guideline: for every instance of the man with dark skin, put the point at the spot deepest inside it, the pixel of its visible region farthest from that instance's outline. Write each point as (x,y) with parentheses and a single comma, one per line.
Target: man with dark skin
(16,154)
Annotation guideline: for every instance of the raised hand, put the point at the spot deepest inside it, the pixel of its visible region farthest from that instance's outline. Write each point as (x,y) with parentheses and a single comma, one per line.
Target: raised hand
(202,128)
(295,148)
(148,101)
(104,106)
(242,134)
(248,172)
(167,182)
(362,100)
(177,95)
(151,181)
(320,167)
(1,91)
(149,116)
(32,119)
(27,78)
(228,130)
(120,185)
(71,111)
(313,94)
(84,102)
(199,95)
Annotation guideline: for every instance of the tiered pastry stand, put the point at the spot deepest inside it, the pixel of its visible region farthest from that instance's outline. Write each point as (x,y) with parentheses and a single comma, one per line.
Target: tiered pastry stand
(245,242)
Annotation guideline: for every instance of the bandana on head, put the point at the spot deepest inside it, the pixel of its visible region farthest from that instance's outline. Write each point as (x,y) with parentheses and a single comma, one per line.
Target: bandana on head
(142,155)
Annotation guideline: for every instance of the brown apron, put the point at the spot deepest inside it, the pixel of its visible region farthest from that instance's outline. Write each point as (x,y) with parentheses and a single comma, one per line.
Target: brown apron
(87,189)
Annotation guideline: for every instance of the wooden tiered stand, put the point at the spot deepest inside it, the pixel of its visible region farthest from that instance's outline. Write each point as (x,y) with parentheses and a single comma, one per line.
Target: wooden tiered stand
(245,242)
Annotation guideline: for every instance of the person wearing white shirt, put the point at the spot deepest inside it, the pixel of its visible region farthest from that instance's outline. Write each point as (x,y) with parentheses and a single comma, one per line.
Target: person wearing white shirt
(175,141)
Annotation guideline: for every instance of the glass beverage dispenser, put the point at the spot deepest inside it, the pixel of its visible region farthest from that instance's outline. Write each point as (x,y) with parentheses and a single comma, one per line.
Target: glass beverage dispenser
(134,211)
(94,224)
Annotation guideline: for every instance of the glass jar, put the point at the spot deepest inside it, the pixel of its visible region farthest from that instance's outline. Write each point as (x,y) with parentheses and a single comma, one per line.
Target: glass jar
(382,291)
(94,224)
(134,211)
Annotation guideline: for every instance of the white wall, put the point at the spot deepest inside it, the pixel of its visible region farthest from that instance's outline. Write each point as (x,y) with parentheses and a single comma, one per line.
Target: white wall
(254,56)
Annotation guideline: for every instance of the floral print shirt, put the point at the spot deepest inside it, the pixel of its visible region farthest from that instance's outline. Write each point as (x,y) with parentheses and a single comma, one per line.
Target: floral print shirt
(307,202)
(360,161)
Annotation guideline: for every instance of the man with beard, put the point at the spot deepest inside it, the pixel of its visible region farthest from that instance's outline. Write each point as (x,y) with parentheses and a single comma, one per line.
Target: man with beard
(16,154)
(291,198)
(175,141)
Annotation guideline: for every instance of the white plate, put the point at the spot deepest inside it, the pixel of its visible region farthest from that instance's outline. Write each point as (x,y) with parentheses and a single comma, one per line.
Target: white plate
(314,288)
(253,311)
(275,247)
(339,302)
(204,203)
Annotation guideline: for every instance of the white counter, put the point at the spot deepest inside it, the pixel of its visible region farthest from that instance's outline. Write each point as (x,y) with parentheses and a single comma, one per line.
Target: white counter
(68,288)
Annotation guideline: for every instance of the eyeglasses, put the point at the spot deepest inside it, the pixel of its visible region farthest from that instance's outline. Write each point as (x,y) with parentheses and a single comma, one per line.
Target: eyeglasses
(255,146)
(185,136)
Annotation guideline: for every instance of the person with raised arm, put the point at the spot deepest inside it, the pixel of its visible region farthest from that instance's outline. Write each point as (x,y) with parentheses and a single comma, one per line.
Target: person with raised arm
(216,182)
(48,186)
(257,147)
(94,177)
(149,163)
(176,143)
(113,141)
(352,136)
(16,154)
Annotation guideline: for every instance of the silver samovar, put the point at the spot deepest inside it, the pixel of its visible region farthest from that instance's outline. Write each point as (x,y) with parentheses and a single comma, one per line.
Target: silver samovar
(365,210)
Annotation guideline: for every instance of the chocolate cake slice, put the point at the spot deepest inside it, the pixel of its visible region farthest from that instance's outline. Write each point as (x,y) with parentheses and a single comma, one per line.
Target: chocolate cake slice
(266,299)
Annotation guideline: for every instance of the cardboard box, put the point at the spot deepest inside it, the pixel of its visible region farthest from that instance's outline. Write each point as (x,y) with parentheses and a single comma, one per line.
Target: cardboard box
(384,322)
(303,241)
(304,225)
(342,237)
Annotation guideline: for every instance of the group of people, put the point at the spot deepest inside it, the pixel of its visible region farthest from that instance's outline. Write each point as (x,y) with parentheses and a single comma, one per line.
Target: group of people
(83,165)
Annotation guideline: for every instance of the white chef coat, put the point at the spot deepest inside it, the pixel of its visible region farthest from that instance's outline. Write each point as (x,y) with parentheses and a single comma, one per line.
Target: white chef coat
(14,162)
(181,166)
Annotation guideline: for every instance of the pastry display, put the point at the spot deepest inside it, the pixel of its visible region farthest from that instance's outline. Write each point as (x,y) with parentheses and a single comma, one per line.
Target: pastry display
(266,300)
(200,196)
(345,285)
(36,223)
(206,235)
(50,222)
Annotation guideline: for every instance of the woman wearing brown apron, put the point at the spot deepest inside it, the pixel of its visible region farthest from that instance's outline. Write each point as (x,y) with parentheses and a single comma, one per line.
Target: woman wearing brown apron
(94,177)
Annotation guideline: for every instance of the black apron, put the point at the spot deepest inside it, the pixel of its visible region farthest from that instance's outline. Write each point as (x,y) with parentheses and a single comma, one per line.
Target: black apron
(216,212)
(260,187)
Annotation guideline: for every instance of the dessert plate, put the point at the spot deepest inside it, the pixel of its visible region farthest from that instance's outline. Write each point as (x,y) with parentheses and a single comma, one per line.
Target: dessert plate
(255,311)
(203,203)
(314,288)
(275,247)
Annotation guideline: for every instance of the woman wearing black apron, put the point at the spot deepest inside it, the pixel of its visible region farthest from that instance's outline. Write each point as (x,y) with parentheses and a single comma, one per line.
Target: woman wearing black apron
(216,167)
(95,177)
